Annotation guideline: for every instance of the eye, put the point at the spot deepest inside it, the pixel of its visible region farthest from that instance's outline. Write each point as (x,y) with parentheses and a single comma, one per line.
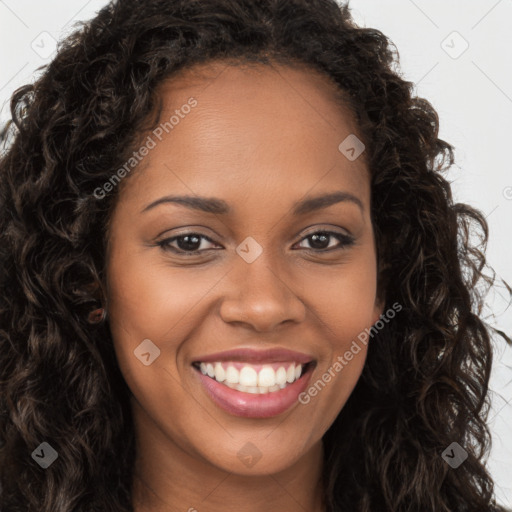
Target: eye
(318,239)
(188,243)
(191,243)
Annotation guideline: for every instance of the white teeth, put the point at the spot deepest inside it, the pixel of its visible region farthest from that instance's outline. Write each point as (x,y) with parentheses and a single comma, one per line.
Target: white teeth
(232,375)
(281,376)
(267,376)
(248,380)
(220,373)
(248,376)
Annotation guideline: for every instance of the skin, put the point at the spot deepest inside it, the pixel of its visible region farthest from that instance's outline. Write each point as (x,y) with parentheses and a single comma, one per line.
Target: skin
(260,138)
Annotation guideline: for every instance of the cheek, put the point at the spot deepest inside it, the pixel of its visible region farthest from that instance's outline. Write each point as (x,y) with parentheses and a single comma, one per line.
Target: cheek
(344,299)
(150,299)
(344,306)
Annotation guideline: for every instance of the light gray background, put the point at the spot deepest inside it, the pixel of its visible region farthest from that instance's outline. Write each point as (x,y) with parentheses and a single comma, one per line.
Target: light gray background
(471,90)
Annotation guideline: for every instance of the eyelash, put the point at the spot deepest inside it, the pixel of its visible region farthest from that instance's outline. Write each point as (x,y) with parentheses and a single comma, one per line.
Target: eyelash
(345,241)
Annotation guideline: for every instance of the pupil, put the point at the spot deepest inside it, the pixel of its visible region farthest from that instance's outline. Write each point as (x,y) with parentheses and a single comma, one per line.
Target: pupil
(315,240)
(188,245)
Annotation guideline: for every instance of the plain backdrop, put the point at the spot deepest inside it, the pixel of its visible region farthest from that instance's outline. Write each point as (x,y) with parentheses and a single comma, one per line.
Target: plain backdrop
(458,53)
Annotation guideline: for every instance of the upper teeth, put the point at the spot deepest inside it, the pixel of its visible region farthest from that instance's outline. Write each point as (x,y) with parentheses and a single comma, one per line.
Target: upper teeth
(248,376)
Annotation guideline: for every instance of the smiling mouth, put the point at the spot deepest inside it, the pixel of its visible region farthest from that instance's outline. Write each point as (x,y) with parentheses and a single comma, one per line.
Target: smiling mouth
(254,378)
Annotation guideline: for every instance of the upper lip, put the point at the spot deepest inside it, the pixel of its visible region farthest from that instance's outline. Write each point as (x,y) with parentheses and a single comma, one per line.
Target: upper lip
(249,355)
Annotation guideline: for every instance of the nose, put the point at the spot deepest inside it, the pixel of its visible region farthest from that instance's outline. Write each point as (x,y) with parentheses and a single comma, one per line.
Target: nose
(262,297)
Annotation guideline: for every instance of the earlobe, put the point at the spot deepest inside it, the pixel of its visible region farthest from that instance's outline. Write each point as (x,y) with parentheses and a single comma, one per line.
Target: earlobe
(97,316)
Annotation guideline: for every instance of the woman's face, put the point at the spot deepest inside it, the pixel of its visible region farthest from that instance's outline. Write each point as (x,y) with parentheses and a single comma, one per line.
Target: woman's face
(253,150)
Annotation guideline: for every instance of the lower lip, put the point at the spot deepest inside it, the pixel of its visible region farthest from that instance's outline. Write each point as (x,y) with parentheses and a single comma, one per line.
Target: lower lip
(251,405)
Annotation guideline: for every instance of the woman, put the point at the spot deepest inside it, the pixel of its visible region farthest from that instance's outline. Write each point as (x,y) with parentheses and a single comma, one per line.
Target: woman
(233,273)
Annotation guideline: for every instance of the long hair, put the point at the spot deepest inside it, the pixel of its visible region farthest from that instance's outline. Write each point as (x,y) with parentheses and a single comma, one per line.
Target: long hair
(425,381)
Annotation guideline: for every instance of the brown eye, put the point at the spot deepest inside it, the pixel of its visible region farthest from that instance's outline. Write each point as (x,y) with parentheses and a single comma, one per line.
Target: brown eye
(320,241)
(187,243)
(192,243)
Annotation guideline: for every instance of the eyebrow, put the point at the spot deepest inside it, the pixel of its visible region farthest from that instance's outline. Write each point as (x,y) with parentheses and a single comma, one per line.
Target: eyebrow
(219,206)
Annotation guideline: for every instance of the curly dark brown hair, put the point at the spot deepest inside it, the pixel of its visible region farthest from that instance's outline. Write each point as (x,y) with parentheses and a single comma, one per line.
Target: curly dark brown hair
(425,381)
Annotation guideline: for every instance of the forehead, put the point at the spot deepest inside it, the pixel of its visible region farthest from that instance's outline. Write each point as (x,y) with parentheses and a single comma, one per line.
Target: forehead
(274,129)
(252,90)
